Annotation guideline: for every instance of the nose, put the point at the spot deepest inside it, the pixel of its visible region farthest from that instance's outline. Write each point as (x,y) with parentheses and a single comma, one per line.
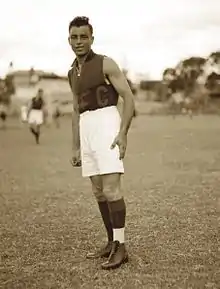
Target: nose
(78,40)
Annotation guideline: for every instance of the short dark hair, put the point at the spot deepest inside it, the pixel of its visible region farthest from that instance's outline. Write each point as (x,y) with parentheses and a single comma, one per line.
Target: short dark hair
(81,21)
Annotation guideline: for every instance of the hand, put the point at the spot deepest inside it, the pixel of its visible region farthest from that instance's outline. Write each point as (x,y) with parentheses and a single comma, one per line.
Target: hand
(76,159)
(121,142)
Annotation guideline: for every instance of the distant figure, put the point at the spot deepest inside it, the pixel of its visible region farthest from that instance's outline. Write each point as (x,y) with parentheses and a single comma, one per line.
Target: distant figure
(56,116)
(181,104)
(35,114)
(33,77)
(10,68)
(177,101)
(24,113)
(4,103)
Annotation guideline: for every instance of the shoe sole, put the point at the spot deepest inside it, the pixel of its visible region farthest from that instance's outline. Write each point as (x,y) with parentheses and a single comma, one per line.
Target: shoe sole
(97,257)
(126,259)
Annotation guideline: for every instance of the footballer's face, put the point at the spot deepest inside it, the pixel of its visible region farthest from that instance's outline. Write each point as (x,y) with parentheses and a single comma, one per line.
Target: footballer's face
(80,39)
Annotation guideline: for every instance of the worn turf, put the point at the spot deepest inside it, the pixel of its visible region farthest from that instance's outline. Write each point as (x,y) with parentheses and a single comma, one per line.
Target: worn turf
(49,218)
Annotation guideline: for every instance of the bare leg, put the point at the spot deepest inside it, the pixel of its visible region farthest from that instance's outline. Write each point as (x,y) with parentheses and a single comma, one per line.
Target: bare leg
(35,130)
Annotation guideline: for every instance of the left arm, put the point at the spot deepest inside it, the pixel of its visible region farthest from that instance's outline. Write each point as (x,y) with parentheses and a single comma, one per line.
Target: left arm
(119,81)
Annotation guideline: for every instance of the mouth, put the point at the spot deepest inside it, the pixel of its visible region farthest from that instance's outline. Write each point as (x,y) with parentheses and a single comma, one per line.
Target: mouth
(79,48)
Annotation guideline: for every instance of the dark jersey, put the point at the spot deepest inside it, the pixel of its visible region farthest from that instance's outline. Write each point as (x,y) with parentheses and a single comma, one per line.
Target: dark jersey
(37,103)
(92,89)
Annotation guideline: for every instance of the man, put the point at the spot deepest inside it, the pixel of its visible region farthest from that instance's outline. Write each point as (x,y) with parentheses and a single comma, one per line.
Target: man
(24,112)
(4,103)
(57,114)
(35,114)
(99,134)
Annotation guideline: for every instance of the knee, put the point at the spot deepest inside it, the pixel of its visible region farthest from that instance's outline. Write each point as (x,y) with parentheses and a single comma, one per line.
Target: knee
(98,193)
(113,192)
(100,197)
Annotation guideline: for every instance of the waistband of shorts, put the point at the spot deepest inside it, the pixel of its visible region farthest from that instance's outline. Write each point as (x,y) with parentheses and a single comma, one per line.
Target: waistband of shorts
(36,109)
(98,110)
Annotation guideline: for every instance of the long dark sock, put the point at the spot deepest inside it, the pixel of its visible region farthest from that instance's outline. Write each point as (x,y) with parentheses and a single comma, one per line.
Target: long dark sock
(118,215)
(104,210)
(33,131)
(37,134)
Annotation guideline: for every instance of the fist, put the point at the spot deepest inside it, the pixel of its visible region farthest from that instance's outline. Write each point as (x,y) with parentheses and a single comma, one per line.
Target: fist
(75,163)
(76,160)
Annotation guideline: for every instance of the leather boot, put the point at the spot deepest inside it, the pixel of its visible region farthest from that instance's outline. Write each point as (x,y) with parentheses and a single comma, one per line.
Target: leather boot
(101,253)
(117,257)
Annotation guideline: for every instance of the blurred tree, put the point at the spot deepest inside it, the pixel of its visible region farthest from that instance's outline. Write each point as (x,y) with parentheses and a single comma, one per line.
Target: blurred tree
(212,74)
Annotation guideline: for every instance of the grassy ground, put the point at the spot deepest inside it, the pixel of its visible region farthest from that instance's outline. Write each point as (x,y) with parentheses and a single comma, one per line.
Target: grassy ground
(49,219)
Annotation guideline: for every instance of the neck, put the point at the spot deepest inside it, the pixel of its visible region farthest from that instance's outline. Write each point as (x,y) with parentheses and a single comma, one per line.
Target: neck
(82,59)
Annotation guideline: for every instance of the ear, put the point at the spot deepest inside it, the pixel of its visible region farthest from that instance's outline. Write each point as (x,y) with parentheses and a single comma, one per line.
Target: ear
(92,39)
(69,40)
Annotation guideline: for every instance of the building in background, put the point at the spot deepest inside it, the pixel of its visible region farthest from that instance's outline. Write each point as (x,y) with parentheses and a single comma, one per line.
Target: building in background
(56,89)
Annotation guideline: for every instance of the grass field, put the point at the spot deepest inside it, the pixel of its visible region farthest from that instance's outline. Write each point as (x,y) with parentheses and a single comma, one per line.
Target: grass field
(49,219)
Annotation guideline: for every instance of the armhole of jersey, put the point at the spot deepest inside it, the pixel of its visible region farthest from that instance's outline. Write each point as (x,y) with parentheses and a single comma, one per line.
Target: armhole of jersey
(106,78)
(70,72)
(74,94)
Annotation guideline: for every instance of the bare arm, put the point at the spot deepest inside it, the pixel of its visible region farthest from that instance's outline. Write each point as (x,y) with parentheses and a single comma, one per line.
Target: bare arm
(75,126)
(119,81)
(75,120)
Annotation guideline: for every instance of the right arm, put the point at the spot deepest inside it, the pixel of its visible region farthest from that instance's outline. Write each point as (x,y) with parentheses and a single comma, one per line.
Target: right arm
(75,126)
(75,119)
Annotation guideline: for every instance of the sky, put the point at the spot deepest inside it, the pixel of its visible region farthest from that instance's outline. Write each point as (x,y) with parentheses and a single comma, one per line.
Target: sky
(144,36)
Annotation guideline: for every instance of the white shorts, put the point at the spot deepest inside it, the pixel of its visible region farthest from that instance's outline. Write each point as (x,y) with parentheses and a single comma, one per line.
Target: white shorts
(35,117)
(98,130)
